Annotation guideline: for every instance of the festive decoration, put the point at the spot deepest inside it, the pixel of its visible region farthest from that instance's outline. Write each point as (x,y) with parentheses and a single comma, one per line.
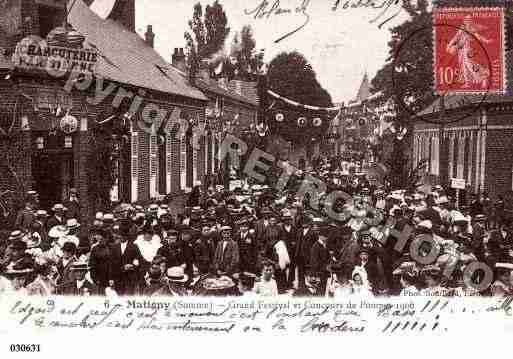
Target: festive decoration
(301,122)
(69,124)
(280,117)
(317,122)
(294,103)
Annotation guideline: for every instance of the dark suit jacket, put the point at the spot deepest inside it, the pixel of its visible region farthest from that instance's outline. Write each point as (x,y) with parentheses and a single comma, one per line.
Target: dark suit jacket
(174,254)
(100,265)
(304,245)
(227,261)
(125,281)
(248,252)
(260,229)
(73,209)
(204,251)
(53,221)
(70,288)
(65,271)
(319,259)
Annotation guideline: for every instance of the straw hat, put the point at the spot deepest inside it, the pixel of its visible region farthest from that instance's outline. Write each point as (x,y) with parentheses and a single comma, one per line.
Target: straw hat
(177,275)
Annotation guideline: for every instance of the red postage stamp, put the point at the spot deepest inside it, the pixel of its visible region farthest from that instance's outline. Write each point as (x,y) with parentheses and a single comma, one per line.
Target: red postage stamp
(469,50)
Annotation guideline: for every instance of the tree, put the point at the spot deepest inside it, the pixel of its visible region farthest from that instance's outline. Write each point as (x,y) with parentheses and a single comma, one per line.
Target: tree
(248,59)
(291,75)
(407,78)
(208,33)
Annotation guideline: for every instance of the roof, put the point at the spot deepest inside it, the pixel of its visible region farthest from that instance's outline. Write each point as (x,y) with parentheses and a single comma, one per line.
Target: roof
(453,101)
(218,90)
(364,90)
(126,58)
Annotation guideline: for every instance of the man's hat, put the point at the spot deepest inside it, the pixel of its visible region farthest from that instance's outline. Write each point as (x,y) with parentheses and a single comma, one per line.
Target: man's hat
(19,245)
(58,231)
(363,250)
(20,269)
(57,207)
(442,200)
(247,279)
(69,247)
(79,266)
(286,215)
(73,190)
(242,222)
(16,235)
(172,233)
(432,270)
(72,223)
(108,218)
(177,275)
(225,228)
(99,216)
(32,193)
(508,266)
(480,218)
(154,207)
(459,218)
(98,231)
(41,213)
(33,241)
(425,225)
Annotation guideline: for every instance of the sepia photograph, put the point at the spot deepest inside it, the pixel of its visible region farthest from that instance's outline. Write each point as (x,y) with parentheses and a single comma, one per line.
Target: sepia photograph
(294,160)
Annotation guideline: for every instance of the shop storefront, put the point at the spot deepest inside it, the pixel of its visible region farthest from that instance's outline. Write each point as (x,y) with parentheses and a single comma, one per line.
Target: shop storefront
(60,136)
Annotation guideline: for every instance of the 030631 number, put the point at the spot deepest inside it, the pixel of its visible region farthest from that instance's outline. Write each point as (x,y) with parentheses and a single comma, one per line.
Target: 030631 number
(24,348)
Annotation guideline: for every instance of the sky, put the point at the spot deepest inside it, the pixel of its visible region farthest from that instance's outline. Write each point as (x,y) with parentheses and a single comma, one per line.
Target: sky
(341,45)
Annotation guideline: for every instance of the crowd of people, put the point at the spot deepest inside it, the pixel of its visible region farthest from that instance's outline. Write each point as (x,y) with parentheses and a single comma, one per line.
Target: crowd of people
(250,239)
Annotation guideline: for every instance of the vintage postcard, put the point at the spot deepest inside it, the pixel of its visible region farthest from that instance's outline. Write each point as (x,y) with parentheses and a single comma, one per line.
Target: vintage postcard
(171,169)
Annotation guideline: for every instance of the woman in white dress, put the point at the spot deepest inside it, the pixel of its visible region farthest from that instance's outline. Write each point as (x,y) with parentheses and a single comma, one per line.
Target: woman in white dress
(148,243)
(360,283)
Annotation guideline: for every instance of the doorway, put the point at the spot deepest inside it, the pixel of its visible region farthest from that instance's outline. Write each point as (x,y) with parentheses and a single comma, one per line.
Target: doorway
(53,176)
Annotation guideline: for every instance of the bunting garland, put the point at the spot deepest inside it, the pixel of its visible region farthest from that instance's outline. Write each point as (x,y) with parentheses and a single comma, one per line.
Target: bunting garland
(297,104)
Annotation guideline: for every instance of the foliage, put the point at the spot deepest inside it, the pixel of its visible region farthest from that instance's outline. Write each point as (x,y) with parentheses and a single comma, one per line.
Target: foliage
(407,78)
(208,32)
(411,47)
(291,75)
(243,49)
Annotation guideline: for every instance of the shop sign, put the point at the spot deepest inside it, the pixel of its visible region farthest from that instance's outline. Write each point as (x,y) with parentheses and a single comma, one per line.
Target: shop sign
(458,183)
(34,54)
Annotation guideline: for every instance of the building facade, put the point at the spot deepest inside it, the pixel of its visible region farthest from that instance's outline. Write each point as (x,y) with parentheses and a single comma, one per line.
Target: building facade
(477,148)
(54,129)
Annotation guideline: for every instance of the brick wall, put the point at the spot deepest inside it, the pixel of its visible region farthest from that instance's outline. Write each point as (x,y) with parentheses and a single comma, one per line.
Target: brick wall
(499,161)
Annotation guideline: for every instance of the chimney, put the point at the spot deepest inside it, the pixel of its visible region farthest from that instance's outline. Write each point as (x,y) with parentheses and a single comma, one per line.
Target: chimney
(149,36)
(203,71)
(123,12)
(178,59)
